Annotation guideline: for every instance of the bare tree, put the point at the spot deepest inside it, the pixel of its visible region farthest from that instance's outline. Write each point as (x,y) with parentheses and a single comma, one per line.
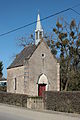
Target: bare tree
(24,41)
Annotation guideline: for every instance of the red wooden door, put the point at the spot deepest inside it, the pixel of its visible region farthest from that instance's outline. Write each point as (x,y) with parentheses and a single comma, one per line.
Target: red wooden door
(41,88)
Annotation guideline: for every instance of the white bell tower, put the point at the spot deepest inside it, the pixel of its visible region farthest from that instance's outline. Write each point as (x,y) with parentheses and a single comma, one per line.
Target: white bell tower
(38,31)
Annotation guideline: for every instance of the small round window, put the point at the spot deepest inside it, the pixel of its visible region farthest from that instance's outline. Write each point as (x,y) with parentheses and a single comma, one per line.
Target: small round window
(43,55)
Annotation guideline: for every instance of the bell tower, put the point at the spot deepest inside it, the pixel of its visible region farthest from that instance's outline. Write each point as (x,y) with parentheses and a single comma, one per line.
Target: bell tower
(38,31)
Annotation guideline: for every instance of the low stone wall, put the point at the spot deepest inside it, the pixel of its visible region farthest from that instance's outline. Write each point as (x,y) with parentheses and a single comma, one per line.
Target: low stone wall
(62,101)
(35,103)
(13,99)
(22,100)
(56,101)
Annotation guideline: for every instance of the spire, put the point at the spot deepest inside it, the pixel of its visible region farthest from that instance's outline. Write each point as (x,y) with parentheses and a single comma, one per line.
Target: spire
(38,26)
(38,31)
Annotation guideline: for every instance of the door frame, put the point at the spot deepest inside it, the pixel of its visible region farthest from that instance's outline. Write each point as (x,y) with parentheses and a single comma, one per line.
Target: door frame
(42,79)
(41,85)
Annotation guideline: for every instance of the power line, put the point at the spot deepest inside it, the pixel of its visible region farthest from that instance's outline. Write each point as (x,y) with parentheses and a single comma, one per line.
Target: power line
(41,20)
(77,5)
(75,11)
(33,22)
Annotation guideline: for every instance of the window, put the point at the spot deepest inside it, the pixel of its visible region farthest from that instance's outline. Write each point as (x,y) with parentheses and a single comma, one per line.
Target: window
(43,55)
(40,35)
(36,35)
(15,82)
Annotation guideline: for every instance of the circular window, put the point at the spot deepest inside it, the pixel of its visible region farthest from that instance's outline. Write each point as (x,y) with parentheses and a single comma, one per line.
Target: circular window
(43,55)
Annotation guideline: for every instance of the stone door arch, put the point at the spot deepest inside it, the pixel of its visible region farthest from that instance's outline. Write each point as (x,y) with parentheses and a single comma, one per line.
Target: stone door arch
(42,84)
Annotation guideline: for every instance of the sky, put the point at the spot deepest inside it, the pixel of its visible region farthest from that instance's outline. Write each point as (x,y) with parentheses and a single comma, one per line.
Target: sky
(17,13)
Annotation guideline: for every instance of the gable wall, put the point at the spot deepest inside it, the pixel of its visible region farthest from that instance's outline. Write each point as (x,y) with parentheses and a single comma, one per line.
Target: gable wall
(36,69)
(30,72)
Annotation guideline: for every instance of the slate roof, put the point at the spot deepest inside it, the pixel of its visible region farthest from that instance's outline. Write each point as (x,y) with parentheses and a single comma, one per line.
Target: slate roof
(24,54)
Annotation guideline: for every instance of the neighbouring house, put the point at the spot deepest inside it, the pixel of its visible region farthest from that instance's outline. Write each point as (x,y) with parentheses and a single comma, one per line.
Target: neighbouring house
(34,69)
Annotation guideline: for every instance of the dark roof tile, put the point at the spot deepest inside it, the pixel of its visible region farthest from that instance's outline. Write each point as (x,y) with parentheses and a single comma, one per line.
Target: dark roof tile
(24,54)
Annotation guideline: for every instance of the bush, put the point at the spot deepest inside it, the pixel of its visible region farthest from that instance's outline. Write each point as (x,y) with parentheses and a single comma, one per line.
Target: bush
(3,88)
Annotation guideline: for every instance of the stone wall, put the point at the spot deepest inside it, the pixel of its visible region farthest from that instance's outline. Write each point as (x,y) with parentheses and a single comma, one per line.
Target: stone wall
(22,100)
(27,76)
(62,101)
(18,73)
(47,66)
(35,103)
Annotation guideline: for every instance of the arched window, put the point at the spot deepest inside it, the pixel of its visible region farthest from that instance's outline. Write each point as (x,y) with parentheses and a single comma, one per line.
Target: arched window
(36,35)
(40,35)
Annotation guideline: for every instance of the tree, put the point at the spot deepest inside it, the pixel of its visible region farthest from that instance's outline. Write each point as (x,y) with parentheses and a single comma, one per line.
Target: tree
(68,45)
(1,68)
(24,41)
(48,37)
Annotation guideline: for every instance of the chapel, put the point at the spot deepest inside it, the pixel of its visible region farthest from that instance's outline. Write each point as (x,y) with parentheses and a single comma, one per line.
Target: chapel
(35,69)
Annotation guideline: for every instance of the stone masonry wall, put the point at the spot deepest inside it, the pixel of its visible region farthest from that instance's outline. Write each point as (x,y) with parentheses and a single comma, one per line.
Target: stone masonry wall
(27,76)
(18,73)
(47,65)
(35,103)
(22,100)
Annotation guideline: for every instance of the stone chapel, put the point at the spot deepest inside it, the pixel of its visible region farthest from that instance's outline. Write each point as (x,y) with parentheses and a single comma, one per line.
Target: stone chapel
(34,69)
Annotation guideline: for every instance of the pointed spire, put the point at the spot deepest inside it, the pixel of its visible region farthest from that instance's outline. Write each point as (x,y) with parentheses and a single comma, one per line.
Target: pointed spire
(38,31)
(38,26)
